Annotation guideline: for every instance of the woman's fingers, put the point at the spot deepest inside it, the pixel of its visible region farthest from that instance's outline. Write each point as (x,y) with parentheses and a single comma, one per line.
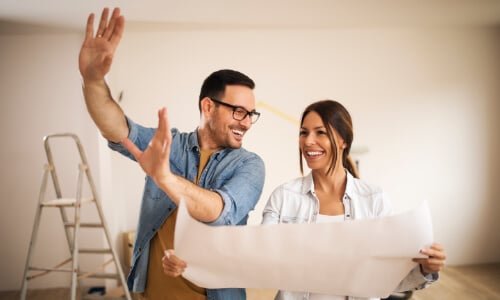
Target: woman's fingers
(435,260)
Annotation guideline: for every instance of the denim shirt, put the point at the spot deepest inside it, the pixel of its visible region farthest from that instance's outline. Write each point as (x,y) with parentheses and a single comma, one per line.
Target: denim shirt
(237,175)
(296,202)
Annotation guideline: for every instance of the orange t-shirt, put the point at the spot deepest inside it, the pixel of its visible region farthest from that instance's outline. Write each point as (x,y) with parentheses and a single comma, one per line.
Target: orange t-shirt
(163,287)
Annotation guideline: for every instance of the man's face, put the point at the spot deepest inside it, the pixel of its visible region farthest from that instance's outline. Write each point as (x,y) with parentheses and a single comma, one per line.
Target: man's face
(225,131)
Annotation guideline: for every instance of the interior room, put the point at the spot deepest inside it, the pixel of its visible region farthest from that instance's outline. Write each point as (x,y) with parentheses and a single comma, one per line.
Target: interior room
(420,79)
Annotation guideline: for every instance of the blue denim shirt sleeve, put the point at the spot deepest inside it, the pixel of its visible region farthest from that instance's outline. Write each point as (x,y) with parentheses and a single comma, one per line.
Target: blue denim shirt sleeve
(140,140)
(241,191)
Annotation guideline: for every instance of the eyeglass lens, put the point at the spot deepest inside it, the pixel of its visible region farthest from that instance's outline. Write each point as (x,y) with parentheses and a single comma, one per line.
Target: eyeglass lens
(239,114)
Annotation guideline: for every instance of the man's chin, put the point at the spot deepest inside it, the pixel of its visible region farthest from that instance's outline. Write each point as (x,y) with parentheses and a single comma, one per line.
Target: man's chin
(236,145)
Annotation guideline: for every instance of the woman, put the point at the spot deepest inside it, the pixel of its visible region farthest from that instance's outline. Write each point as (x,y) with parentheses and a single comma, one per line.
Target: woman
(331,192)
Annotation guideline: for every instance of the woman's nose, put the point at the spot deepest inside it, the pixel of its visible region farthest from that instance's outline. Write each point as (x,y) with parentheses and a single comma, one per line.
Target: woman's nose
(310,140)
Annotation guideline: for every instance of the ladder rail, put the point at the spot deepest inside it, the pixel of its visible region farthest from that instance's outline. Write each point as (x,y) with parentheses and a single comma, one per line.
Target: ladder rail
(34,233)
(76,231)
(55,179)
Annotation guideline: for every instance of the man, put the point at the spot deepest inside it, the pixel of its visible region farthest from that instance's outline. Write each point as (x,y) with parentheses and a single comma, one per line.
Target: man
(219,181)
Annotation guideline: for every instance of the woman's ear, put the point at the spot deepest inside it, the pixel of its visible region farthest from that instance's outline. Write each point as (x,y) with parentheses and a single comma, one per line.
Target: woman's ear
(342,144)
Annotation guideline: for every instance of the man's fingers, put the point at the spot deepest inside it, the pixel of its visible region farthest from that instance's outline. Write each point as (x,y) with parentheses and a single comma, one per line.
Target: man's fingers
(172,265)
(90,27)
(114,29)
(168,254)
(170,258)
(157,142)
(102,22)
(132,148)
(161,122)
(112,24)
(168,134)
(116,34)
(163,135)
(172,273)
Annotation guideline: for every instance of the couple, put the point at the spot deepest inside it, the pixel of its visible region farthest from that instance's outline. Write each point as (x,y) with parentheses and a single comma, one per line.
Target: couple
(220,181)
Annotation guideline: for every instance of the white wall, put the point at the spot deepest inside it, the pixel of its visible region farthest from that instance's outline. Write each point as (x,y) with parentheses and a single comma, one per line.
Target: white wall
(40,94)
(424,101)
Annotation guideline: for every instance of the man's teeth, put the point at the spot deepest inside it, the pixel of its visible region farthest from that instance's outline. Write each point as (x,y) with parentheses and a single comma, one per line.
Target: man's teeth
(238,132)
(314,153)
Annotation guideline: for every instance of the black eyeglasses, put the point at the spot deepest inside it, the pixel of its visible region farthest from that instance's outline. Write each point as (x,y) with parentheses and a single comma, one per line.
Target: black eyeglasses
(239,113)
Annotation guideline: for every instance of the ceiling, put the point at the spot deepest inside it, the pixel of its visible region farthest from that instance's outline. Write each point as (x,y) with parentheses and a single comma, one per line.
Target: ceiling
(71,15)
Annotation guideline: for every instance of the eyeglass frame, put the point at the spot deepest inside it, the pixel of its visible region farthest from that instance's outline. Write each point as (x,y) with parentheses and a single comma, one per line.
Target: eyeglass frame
(234,108)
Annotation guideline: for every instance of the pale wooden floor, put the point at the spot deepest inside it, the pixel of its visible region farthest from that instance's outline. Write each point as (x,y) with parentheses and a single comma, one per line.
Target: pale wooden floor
(465,282)
(456,283)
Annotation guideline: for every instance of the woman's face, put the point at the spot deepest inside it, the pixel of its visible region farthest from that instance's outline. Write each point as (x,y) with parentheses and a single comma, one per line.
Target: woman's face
(315,143)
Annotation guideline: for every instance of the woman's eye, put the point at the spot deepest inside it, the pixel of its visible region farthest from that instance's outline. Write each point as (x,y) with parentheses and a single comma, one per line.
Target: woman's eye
(301,133)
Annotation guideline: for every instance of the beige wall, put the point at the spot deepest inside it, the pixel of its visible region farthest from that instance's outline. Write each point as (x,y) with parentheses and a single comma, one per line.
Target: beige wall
(425,101)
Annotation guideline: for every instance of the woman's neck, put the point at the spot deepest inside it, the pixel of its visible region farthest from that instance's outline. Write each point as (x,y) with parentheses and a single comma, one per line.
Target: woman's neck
(332,184)
(329,190)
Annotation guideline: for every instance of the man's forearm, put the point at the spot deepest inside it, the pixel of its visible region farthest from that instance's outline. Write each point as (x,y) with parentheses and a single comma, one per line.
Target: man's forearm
(203,205)
(106,113)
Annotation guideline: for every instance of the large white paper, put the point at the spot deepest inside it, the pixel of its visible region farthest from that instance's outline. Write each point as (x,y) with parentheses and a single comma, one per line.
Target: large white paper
(363,258)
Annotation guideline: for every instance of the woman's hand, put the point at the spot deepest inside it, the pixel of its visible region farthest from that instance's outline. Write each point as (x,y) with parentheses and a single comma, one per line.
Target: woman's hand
(435,260)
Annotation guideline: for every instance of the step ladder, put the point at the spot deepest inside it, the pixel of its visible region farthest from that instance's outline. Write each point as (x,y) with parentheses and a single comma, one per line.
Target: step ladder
(72,227)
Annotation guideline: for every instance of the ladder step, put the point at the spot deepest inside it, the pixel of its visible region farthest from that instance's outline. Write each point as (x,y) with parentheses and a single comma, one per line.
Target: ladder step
(102,275)
(88,225)
(86,274)
(94,251)
(50,269)
(65,202)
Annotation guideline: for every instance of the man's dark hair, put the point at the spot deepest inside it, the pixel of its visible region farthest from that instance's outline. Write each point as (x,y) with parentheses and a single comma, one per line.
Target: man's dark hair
(215,84)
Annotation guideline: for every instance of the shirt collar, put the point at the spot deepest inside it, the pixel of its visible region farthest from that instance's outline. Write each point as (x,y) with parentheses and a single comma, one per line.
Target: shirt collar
(308,184)
(193,141)
(349,187)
